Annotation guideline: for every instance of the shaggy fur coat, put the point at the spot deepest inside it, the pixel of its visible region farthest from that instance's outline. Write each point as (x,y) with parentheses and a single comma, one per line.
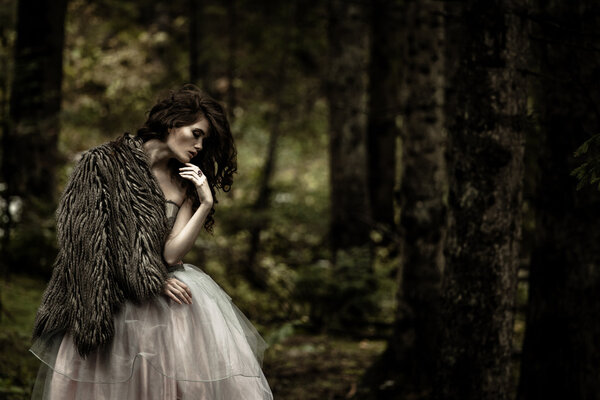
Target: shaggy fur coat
(111,229)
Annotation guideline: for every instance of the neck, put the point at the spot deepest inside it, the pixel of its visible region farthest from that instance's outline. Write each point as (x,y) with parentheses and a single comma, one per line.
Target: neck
(158,153)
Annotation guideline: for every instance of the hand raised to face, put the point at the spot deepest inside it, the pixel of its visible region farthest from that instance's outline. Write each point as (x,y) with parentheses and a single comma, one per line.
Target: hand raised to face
(193,173)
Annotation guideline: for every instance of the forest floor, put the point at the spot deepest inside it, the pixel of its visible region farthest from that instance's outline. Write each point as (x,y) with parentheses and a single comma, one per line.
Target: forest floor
(318,367)
(302,366)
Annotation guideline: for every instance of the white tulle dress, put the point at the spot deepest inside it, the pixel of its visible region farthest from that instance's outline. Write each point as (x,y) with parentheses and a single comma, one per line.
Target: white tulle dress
(162,350)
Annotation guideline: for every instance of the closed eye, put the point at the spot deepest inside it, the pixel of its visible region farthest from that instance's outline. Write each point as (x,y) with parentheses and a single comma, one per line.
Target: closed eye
(199,132)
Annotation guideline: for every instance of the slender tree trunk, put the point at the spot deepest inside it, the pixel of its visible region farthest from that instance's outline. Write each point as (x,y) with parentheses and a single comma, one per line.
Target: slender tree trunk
(5,46)
(423,196)
(347,94)
(199,65)
(252,271)
(30,142)
(30,145)
(485,161)
(350,223)
(231,57)
(406,367)
(561,356)
(383,108)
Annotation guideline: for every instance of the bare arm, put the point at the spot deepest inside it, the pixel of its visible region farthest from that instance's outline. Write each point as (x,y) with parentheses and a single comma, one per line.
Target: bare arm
(185,231)
(179,242)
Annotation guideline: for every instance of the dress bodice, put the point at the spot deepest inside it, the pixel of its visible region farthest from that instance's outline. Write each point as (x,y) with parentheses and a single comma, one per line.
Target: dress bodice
(171,209)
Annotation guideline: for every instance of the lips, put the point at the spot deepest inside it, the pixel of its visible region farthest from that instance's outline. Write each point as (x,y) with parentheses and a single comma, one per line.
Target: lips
(192,154)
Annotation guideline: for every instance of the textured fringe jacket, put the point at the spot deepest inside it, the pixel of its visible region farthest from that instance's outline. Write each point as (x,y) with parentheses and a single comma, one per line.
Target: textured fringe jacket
(111,229)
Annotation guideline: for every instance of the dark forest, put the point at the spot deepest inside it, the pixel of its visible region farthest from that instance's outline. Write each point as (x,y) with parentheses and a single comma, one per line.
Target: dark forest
(413,212)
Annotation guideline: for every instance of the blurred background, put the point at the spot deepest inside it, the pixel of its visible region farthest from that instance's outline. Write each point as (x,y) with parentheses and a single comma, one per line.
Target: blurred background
(414,214)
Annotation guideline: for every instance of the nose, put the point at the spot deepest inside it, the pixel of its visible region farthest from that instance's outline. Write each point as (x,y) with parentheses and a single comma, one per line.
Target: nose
(198,145)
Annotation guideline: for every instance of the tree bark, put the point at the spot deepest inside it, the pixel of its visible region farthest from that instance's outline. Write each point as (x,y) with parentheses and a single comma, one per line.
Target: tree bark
(350,223)
(485,162)
(406,367)
(231,57)
(383,108)
(423,196)
(252,271)
(561,356)
(30,145)
(199,65)
(347,95)
(30,142)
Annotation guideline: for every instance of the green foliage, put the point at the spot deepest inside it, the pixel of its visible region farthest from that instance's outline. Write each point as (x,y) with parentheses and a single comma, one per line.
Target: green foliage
(283,332)
(20,299)
(118,58)
(343,295)
(588,173)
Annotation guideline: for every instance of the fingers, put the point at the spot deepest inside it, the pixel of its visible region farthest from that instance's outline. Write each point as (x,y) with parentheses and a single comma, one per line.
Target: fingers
(192,168)
(188,175)
(173,297)
(184,290)
(199,180)
(178,291)
(178,296)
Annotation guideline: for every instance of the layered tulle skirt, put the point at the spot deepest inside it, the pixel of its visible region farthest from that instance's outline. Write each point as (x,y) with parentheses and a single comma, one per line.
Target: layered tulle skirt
(162,350)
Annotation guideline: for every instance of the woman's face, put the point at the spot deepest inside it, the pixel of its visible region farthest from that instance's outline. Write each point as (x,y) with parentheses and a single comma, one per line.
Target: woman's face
(186,141)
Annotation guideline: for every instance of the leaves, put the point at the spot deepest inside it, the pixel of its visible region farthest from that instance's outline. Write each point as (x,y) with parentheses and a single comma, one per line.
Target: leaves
(588,173)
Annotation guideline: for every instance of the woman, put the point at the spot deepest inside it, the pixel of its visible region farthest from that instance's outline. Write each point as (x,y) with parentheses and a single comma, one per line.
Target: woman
(123,317)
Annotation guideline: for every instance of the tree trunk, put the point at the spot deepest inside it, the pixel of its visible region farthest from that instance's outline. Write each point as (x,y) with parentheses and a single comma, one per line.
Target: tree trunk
(30,145)
(199,65)
(422,196)
(383,108)
(347,96)
(561,356)
(406,367)
(231,57)
(485,163)
(251,270)
(30,142)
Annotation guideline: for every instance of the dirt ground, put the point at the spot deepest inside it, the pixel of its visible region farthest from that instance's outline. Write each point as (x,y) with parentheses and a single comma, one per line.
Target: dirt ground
(318,367)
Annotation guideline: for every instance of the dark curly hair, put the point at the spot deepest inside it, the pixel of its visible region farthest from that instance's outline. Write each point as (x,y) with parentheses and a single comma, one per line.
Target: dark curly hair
(218,158)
